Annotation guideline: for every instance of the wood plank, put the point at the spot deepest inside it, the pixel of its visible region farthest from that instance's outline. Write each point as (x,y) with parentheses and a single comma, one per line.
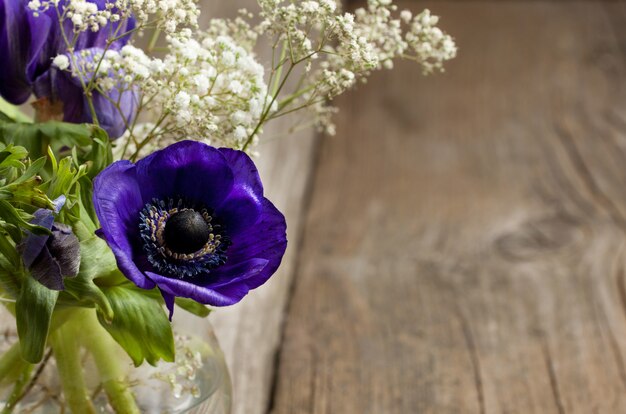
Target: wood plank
(250,332)
(465,247)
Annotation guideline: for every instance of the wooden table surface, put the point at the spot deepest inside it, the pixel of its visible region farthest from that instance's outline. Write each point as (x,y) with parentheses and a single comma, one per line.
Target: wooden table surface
(459,246)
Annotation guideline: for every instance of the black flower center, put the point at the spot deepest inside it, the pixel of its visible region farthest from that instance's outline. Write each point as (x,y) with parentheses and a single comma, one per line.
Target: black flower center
(186,232)
(182,239)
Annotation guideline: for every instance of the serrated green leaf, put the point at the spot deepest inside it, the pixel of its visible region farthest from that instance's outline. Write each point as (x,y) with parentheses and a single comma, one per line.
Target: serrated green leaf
(140,325)
(64,179)
(31,171)
(33,312)
(27,192)
(11,156)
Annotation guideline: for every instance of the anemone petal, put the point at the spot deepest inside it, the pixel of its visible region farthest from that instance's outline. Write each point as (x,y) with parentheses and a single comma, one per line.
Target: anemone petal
(117,201)
(187,169)
(246,174)
(265,239)
(47,271)
(15,49)
(33,244)
(210,294)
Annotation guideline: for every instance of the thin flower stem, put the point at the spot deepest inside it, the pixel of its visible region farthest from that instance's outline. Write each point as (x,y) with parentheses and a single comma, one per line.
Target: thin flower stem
(282,104)
(268,109)
(279,70)
(103,349)
(154,39)
(20,383)
(264,116)
(66,350)
(70,48)
(25,389)
(149,136)
(292,110)
(10,361)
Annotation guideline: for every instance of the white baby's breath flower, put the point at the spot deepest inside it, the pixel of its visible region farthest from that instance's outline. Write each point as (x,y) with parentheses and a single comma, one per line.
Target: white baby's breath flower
(34,5)
(240,133)
(182,100)
(61,61)
(406,16)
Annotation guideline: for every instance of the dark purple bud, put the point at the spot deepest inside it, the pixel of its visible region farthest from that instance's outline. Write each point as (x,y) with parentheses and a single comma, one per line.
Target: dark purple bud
(50,258)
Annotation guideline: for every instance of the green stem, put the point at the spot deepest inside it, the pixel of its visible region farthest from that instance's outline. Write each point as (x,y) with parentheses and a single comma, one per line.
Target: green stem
(18,390)
(10,362)
(8,250)
(66,350)
(103,349)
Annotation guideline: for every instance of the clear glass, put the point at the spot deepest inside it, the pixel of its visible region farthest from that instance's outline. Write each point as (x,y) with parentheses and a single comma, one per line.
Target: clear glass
(198,377)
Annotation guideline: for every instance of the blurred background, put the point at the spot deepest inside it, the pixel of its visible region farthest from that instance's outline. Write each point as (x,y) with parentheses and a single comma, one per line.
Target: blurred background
(459,245)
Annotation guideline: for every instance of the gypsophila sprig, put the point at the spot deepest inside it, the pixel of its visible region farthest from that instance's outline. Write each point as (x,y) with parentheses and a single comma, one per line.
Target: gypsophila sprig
(85,15)
(209,89)
(338,50)
(208,85)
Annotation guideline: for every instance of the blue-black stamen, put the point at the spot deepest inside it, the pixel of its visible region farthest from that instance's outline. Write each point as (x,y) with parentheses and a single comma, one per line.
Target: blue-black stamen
(182,239)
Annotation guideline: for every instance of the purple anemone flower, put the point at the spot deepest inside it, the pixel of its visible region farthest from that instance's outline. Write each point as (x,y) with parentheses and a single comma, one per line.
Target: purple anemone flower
(50,258)
(191,220)
(115,111)
(28,43)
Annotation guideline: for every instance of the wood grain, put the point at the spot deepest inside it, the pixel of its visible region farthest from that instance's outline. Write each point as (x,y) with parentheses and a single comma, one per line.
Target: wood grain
(465,247)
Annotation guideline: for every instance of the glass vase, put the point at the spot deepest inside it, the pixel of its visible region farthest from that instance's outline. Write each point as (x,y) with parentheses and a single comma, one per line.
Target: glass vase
(103,379)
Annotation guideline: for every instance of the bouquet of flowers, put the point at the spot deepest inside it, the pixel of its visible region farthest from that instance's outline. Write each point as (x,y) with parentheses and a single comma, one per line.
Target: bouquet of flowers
(133,191)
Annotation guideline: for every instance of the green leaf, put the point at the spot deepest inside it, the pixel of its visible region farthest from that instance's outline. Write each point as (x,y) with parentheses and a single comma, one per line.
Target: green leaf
(30,172)
(193,307)
(86,144)
(11,113)
(186,304)
(27,192)
(98,261)
(140,325)
(9,278)
(11,156)
(65,178)
(18,218)
(85,292)
(101,155)
(37,137)
(33,311)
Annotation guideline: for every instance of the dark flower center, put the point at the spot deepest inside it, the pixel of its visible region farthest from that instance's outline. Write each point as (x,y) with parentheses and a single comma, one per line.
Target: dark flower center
(182,239)
(186,232)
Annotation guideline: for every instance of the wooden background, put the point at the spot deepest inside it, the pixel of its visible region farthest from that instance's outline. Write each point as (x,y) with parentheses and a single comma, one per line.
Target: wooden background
(459,246)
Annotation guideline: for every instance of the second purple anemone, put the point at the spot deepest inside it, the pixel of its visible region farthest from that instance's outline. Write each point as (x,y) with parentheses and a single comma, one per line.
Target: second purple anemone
(29,41)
